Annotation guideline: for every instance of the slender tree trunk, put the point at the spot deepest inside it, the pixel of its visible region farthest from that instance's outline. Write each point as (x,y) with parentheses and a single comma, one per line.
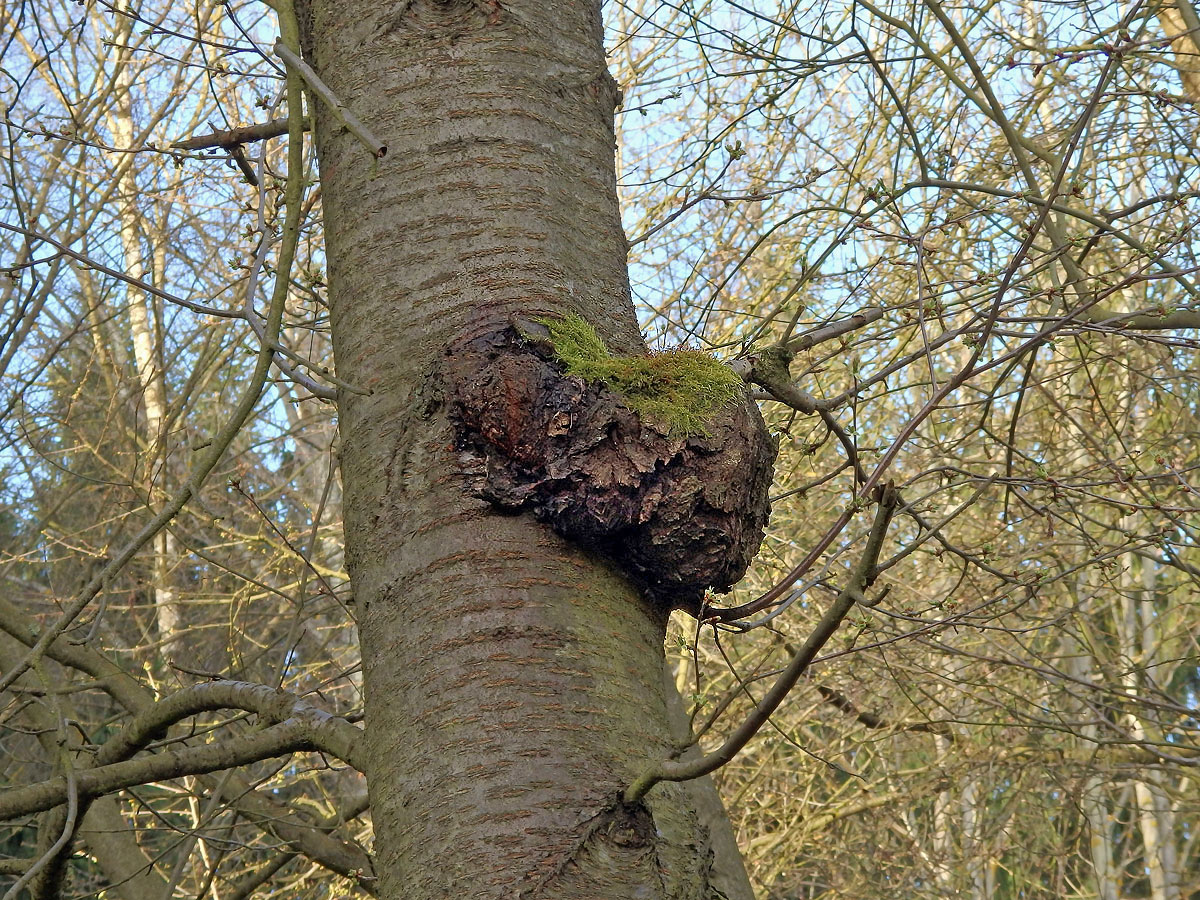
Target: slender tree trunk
(1139,646)
(514,681)
(1093,801)
(945,850)
(150,376)
(1180,23)
(976,858)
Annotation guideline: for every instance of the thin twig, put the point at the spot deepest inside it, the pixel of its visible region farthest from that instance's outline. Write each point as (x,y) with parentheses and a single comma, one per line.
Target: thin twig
(340,111)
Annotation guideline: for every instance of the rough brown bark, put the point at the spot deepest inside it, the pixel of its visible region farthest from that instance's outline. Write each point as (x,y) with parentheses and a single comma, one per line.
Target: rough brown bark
(513,679)
(677,513)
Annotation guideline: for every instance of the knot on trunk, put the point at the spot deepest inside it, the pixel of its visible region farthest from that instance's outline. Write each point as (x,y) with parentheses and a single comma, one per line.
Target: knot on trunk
(679,514)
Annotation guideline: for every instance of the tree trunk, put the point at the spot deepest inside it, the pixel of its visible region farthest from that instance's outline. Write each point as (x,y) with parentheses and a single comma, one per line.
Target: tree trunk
(150,376)
(1139,651)
(1078,662)
(514,681)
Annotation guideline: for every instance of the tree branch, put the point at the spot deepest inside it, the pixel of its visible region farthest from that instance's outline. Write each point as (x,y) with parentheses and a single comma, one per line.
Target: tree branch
(329,733)
(278,740)
(234,137)
(860,580)
(340,111)
(769,367)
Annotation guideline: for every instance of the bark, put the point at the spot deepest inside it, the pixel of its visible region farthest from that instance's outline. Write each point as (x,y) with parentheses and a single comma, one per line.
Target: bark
(514,679)
(1179,23)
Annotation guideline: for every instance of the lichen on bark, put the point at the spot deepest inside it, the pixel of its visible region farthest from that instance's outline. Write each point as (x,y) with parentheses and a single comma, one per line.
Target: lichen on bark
(679,513)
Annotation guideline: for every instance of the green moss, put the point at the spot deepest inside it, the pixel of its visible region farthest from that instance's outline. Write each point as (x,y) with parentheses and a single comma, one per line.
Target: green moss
(681,391)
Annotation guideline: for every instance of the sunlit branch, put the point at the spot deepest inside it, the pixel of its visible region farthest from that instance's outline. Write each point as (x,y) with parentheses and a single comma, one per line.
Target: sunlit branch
(290,736)
(233,137)
(340,111)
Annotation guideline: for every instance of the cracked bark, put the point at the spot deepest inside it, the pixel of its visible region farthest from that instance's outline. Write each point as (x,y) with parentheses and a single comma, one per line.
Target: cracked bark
(677,514)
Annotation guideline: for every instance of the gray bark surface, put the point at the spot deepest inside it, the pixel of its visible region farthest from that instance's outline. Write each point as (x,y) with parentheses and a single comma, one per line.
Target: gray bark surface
(513,680)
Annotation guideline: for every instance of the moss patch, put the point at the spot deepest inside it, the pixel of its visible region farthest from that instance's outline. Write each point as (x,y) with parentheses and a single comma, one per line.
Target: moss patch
(681,391)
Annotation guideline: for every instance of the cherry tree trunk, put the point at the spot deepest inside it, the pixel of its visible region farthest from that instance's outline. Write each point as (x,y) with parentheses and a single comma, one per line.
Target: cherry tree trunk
(514,680)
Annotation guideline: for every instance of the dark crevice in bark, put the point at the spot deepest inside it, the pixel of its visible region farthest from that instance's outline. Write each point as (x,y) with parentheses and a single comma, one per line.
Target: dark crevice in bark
(625,837)
(679,515)
(431,20)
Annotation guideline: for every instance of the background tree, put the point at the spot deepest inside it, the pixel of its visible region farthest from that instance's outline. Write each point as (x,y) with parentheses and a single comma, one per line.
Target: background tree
(1003,193)
(982,728)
